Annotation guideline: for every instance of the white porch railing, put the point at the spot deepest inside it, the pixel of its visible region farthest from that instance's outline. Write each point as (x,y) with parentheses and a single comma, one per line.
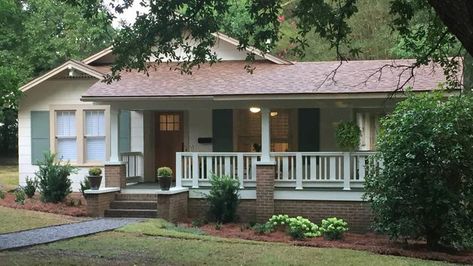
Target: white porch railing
(297,170)
(134,165)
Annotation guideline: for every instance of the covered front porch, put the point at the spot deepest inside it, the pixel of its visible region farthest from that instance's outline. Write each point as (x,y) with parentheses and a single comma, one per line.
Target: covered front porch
(210,137)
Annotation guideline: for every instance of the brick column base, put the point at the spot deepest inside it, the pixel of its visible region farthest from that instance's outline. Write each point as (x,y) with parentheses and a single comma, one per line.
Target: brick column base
(115,175)
(99,200)
(265,175)
(172,206)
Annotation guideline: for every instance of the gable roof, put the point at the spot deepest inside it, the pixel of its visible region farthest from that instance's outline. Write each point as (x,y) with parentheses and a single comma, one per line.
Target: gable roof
(219,36)
(229,78)
(71,64)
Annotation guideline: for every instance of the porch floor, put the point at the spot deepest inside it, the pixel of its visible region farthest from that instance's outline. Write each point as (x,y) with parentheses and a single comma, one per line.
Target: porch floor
(142,188)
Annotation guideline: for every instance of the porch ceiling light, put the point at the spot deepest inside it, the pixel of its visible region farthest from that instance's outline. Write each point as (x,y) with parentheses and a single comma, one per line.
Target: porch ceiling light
(274,113)
(255,110)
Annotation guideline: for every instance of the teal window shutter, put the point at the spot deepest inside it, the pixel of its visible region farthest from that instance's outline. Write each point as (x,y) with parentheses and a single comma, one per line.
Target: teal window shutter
(222,130)
(309,129)
(124,131)
(39,135)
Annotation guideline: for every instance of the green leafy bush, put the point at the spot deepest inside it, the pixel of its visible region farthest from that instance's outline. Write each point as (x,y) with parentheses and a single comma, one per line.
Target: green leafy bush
(262,229)
(425,187)
(84,185)
(20,196)
(223,198)
(53,178)
(347,135)
(164,171)
(30,188)
(333,228)
(2,194)
(95,171)
(297,233)
(295,225)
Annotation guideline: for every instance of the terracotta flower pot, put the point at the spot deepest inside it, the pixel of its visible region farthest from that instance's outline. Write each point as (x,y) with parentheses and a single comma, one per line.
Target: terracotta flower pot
(165,182)
(95,181)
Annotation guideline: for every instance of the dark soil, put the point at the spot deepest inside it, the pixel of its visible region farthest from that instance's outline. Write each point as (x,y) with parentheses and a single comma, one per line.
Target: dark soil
(371,242)
(73,205)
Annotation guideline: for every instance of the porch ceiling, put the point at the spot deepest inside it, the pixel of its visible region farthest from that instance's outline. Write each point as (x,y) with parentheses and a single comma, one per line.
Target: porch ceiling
(230,79)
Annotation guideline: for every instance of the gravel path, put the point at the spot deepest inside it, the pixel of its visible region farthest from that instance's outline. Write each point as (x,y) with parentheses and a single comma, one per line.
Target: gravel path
(59,232)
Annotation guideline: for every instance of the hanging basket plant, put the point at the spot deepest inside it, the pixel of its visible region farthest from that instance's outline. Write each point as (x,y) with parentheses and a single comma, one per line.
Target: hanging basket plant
(347,135)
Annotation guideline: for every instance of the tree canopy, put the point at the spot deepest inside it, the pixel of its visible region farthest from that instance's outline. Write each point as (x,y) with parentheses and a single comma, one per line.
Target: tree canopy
(35,36)
(428,29)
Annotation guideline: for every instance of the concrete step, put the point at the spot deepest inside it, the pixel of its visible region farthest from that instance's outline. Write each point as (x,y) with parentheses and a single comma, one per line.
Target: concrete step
(133,204)
(136,197)
(135,213)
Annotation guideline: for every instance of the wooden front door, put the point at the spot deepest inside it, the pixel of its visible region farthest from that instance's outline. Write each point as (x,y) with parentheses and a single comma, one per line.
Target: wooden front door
(169,138)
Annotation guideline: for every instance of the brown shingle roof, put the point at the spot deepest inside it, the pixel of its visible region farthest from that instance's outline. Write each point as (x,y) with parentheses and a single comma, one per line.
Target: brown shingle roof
(230,78)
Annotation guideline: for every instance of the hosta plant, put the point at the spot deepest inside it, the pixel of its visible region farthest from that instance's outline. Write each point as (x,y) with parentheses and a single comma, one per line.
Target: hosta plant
(333,228)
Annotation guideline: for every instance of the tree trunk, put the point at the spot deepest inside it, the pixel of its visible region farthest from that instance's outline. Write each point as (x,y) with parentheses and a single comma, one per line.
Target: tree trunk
(468,73)
(457,15)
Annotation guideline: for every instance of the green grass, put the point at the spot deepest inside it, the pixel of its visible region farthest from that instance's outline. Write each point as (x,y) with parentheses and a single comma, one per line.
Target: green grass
(8,176)
(153,242)
(16,219)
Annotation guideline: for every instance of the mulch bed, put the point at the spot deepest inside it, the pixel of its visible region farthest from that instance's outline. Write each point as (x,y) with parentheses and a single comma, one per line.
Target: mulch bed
(74,205)
(366,242)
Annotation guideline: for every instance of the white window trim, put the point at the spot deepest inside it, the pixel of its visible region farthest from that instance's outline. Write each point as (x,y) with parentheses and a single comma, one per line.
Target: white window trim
(80,134)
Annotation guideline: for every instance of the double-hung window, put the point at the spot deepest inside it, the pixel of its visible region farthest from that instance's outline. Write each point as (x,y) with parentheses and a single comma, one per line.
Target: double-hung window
(94,135)
(66,135)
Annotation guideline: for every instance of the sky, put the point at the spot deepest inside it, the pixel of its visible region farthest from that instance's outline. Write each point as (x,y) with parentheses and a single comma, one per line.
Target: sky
(129,14)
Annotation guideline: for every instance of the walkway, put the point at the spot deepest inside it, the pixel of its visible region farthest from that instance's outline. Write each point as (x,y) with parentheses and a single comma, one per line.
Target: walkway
(60,232)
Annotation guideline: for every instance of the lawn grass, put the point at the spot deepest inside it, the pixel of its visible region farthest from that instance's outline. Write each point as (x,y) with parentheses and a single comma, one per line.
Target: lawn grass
(12,220)
(152,242)
(8,176)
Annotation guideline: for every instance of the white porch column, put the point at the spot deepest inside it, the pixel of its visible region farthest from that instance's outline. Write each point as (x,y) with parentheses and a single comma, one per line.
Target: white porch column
(265,135)
(114,156)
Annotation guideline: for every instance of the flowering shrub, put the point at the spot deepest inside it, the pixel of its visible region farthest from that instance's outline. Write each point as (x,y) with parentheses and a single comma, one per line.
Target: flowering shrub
(298,227)
(333,228)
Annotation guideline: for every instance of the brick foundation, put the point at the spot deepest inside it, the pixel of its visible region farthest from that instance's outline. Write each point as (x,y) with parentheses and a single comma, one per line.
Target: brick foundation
(97,202)
(246,212)
(115,175)
(357,214)
(173,207)
(266,174)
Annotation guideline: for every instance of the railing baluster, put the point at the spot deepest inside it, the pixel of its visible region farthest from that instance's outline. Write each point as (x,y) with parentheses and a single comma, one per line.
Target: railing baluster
(346,171)
(298,170)
(178,169)
(239,166)
(195,170)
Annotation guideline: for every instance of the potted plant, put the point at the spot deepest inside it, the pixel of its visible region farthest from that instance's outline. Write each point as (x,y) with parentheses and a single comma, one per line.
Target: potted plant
(95,178)
(164,177)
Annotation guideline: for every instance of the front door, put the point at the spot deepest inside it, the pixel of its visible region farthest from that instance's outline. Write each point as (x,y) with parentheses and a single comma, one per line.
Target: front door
(169,138)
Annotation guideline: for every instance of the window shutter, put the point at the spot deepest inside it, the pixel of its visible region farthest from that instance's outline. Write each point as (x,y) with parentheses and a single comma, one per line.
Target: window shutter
(309,129)
(222,130)
(39,135)
(124,131)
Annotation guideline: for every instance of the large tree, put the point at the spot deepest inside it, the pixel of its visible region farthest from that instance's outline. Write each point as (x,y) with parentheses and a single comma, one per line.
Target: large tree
(432,29)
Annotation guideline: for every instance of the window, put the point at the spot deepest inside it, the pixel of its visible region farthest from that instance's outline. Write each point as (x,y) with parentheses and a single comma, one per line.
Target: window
(369,125)
(66,135)
(94,135)
(169,122)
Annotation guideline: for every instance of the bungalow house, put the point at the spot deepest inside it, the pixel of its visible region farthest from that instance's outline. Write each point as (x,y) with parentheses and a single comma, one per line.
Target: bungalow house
(273,130)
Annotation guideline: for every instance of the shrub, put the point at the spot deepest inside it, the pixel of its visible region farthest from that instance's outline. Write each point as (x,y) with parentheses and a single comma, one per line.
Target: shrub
(223,198)
(20,196)
(295,225)
(95,171)
(164,171)
(30,188)
(347,135)
(53,177)
(425,187)
(2,194)
(198,222)
(333,228)
(262,229)
(84,185)
(297,233)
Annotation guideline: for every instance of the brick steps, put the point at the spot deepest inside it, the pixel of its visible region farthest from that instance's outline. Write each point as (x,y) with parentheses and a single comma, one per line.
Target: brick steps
(135,213)
(133,205)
